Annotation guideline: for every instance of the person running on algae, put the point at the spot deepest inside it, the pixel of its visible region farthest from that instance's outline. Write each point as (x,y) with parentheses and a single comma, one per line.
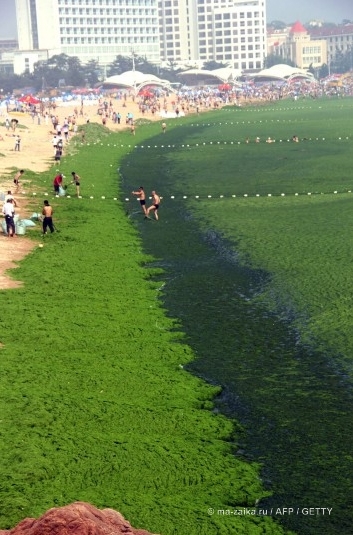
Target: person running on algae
(156,200)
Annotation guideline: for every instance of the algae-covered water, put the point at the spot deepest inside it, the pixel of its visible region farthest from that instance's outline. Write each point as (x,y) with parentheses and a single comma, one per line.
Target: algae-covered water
(294,405)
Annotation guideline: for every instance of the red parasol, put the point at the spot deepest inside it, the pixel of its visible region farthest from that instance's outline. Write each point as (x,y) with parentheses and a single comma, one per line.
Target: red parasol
(145,93)
(29,99)
(224,87)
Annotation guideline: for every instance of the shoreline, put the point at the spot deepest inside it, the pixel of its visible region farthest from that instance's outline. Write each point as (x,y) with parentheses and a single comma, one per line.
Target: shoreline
(36,155)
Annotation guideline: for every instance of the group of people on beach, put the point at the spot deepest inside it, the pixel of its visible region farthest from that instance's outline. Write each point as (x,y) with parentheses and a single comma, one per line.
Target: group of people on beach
(9,206)
(156,200)
(10,203)
(8,211)
(59,186)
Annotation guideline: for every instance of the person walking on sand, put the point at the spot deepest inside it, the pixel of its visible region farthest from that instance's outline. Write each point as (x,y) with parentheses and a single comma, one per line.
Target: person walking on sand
(16,179)
(9,211)
(156,200)
(76,179)
(47,212)
(14,123)
(17,143)
(142,198)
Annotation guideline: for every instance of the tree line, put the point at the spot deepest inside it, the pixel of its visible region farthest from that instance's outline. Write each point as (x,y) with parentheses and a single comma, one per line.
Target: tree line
(62,71)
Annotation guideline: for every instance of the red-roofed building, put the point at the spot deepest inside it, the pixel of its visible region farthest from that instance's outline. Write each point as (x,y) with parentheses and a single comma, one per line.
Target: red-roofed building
(298,28)
(298,47)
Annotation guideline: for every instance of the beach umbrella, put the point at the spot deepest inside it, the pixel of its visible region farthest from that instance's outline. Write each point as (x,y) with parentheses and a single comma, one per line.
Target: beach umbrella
(145,93)
(29,99)
(224,87)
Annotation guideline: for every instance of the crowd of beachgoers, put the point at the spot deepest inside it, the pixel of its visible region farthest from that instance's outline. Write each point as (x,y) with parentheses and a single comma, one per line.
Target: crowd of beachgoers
(157,100)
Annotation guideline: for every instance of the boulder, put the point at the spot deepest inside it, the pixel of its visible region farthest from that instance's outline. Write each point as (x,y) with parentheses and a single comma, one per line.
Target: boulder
(78,518)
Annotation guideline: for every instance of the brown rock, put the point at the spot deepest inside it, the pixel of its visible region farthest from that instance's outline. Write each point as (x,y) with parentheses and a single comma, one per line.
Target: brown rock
(79,518)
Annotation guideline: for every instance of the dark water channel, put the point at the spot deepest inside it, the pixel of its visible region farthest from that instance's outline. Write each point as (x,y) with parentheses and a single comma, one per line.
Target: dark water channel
(295,407)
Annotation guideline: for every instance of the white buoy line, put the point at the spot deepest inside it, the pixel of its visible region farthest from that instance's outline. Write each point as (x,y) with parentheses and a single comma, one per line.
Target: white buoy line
(247,195)
(201,197)
(235,142)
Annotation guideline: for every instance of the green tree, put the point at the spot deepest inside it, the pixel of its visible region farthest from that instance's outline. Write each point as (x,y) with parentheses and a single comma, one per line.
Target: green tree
(275,59)
(323,71)
(14,81)
(278,25)
(92,72)
(120,64)
(170,72)
(59,61)
(143,65)
(213,65)
(45,76)
(59,67)
(342,61)
(312,70)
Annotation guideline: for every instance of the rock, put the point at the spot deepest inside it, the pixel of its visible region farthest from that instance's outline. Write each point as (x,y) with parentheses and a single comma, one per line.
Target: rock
(78,518)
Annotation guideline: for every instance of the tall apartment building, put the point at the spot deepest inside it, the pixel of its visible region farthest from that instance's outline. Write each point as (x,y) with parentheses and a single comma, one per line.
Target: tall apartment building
(90,29)
(229,31)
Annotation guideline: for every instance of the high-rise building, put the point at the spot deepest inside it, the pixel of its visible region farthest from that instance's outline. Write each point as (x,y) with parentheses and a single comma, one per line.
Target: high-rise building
(90,29)
(37,24)
(229,31)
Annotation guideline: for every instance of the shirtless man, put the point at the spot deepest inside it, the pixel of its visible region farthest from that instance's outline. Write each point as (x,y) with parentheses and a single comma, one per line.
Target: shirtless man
(156,202)
(142,198)
(47,212)
(16,179)
(76,179)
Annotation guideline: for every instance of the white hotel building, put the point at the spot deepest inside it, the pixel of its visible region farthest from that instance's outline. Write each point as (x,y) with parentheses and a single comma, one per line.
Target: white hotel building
(229,31)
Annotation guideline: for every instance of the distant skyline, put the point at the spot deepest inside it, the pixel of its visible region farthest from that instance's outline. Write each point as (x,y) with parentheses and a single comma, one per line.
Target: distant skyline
(306,10)
(285,10)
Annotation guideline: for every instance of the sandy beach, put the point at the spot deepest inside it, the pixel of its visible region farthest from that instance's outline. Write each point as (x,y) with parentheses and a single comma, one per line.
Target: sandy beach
(36,154)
